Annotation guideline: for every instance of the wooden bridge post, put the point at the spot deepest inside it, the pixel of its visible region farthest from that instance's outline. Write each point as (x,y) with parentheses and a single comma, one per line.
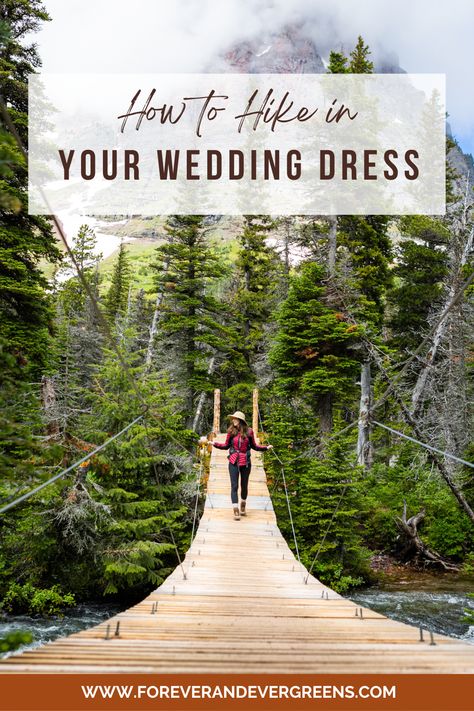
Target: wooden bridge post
(216,425)
(255,412)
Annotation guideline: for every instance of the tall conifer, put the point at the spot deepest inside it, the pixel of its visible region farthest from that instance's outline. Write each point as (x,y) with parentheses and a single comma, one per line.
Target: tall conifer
(189,320)
(117,295)
(360,62)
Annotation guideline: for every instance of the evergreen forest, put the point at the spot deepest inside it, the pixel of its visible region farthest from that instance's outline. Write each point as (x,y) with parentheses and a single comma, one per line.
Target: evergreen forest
(356,330)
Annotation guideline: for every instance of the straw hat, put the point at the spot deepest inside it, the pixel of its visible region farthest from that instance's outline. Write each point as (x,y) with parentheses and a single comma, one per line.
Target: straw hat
(239,415)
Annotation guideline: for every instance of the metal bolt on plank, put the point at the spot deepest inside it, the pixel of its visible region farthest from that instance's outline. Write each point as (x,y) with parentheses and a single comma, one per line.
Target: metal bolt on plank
(107,632)
(421,635)
(432,642)
(117,629)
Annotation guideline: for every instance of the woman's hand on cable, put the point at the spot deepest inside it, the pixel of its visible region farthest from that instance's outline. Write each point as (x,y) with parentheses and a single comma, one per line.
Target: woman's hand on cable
(269,446)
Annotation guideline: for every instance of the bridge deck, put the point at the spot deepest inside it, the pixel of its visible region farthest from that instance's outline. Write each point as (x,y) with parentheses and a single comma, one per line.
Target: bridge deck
(244,607)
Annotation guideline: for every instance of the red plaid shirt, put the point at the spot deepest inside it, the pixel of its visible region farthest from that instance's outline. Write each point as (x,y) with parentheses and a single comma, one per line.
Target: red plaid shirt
(241,445)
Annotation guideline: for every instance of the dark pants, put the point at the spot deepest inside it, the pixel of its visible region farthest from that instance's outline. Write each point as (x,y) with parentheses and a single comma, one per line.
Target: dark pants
(234,472)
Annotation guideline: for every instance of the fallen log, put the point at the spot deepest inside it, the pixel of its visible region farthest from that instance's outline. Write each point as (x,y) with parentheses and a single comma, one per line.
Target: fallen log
(414,547)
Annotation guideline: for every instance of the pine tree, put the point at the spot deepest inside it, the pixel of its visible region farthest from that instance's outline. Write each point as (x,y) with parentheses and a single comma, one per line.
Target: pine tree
(26,314)
(79,336)
(19,422)
(315,354)
(84,254)
(117,295)
(257,268)
(324,496)
(330,501)
(369,249)
(419,271)
(337,63)
(189,323)
(360,62)
(25,307)
(140,478)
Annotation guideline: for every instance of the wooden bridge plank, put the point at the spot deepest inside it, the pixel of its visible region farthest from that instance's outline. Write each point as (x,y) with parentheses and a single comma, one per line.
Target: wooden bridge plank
(244,607)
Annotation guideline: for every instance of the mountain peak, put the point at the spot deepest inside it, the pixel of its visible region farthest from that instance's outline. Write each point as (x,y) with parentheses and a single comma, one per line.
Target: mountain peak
(287,51)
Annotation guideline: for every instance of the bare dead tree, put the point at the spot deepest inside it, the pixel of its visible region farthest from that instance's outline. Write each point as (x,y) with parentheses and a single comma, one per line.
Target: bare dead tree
(364,447)
(50,410)
(202,397)
(461,247)
(414,548)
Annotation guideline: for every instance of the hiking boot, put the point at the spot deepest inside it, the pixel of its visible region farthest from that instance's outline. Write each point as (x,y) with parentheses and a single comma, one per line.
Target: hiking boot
(242,508)
(236,513)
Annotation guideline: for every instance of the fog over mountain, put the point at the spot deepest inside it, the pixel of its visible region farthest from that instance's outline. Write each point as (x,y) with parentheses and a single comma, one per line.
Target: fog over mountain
(190,36)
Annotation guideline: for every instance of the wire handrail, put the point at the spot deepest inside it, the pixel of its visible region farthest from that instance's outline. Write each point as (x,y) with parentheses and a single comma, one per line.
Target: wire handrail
(423,444)
(70,468)
(286,493)
(101,320)
(198,493)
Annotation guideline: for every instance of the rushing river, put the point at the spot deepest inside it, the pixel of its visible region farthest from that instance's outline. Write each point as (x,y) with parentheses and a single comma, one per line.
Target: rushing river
(45,629)
(440,612)
(437,610)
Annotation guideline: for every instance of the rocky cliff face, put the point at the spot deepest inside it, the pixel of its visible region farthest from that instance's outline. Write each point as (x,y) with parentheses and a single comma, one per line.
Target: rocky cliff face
(290,50)
(463,164)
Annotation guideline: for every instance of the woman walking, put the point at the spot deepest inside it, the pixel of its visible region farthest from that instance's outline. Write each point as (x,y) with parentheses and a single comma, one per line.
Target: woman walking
(239,441)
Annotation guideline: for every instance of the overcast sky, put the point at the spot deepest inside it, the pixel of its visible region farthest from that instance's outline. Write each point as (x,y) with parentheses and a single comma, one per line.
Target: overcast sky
(185,35)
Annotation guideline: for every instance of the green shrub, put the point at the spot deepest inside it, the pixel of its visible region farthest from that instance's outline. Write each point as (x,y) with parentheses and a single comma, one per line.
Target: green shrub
(468,565)
(27,599)
(332,574)
(13,640)
(469,613)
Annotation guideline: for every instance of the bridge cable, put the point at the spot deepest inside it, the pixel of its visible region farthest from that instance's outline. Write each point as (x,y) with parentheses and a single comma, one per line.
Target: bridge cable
(98,311)
(101,318)
(198,493)
(286,493)
(423,444)
(306,576)
(70,468)
(308,454)
(326,533)
(406,364)
(161,502)
(457,296)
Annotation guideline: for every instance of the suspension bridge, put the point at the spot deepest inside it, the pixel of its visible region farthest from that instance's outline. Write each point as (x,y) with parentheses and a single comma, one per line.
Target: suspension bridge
(241,602)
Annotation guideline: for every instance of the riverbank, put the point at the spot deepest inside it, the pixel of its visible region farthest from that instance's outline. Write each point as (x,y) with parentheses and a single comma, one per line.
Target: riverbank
(435,602)
(46,629)
(391,575)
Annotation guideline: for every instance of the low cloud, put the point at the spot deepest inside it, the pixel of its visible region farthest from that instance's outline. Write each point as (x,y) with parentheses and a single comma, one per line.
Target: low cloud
(187,35)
